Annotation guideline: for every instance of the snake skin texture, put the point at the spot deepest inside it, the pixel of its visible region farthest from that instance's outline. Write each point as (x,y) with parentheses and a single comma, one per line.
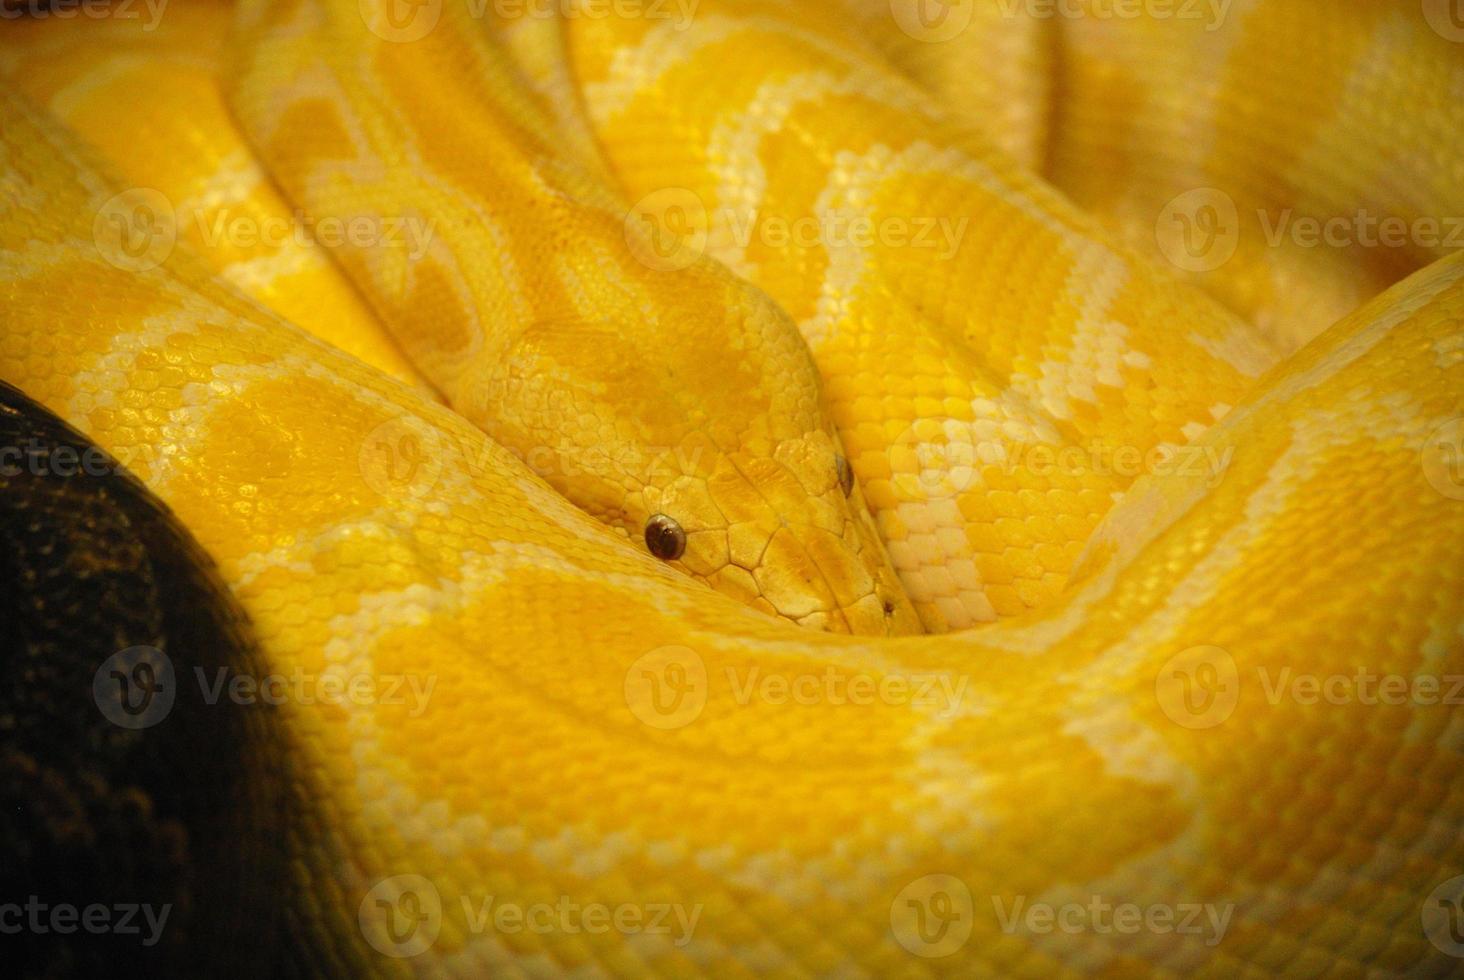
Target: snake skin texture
(1198,719)
(1210,138)
(104,800)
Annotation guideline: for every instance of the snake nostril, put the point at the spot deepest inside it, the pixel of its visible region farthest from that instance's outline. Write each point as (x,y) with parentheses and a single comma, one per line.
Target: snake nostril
(846,474)
(665,538)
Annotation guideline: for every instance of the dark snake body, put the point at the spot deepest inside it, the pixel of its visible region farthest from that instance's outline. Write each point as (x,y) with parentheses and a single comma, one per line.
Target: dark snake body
(115,791)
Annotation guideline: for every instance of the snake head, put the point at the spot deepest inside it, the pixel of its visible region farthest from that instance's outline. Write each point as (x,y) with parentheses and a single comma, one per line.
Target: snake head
(779,524)
(699,433)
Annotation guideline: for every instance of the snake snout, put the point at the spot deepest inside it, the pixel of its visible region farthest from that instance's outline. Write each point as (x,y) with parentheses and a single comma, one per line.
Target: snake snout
(840,584)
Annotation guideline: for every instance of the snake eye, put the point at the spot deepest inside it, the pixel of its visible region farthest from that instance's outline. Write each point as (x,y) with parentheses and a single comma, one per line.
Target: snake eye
(665,538)
(846,475)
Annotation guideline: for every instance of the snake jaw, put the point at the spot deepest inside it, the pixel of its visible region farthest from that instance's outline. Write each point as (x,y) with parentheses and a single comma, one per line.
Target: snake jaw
(785,539)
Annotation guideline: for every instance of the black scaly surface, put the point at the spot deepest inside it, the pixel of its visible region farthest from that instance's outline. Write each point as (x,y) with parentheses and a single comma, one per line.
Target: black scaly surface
(186,811)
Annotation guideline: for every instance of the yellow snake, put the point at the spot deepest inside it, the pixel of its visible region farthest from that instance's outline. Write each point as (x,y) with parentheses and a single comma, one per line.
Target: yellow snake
(1213,730)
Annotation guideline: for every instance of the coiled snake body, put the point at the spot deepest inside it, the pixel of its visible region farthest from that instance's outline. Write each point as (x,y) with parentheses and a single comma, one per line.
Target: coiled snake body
(1136,728)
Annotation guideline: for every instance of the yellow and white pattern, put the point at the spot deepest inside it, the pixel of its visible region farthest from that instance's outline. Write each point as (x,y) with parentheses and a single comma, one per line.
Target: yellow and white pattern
(1194,718)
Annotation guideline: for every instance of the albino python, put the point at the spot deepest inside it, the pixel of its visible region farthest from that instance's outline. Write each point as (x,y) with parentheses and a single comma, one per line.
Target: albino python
(1191,716)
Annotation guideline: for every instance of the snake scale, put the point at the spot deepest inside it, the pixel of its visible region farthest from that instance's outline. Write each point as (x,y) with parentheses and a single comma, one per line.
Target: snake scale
(479,461)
